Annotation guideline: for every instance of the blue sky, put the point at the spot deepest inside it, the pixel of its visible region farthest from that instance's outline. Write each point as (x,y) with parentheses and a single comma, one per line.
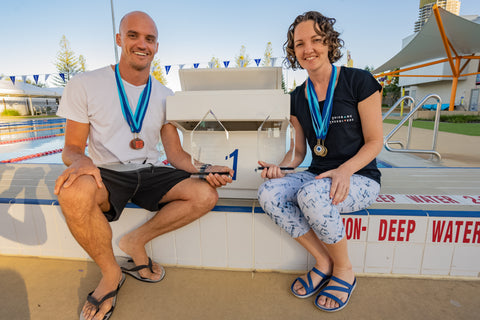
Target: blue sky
(195,31)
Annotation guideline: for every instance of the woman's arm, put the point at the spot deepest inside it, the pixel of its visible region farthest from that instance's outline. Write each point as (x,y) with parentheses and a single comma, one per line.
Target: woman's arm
(371,118)
(272,171)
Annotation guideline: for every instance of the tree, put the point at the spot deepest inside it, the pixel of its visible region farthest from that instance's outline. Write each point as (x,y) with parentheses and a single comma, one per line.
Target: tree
(39,84)
(294,85)
(215,62)
(157,71)
(82,63)
(369,68)
(391,89)
(242,60)
(67,63)
(267,56)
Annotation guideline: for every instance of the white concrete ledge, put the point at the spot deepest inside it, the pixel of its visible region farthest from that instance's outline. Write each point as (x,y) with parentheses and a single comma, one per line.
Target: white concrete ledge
(425,223)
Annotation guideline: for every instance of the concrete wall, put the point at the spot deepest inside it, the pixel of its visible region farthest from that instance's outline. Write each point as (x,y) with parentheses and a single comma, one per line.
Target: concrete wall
(425,222)
(419,87)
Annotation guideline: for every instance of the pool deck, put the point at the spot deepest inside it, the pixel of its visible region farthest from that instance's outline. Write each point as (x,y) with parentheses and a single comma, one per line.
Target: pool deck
(457,150)
(40,288)
(43,289)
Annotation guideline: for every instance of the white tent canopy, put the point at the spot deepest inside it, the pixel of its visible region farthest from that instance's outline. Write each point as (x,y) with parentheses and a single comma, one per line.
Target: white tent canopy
(463,34)
(22,89)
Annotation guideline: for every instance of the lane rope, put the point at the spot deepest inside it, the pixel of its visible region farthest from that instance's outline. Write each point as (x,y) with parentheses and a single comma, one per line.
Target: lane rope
(29,131)
(32,138)
(31,156)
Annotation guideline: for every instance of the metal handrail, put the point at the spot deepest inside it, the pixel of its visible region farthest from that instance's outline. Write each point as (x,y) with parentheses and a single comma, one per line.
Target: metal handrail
(408,117)
(410,122)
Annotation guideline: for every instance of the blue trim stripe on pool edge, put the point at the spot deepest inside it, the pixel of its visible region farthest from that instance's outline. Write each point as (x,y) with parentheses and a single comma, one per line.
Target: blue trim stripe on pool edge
(256,209)
(397,212)
(29,201)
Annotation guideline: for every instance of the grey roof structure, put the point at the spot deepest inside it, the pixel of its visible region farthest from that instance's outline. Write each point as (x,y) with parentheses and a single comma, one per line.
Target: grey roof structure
(462,32)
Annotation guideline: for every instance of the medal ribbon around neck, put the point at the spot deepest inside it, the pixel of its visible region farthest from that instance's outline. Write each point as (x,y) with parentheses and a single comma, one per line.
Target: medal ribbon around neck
(134,121)
(321,122)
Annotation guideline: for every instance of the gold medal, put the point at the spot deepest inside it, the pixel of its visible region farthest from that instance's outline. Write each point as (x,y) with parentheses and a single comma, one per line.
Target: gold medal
(321,121)
(320,149)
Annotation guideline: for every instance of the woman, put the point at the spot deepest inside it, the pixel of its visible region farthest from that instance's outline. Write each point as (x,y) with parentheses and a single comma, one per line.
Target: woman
(337,111)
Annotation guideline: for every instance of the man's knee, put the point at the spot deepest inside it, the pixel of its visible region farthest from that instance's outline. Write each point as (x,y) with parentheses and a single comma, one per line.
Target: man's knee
(81,193)
(207,197)
(202,198)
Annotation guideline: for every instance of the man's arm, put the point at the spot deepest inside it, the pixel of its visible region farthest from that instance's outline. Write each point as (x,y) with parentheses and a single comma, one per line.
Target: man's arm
(182,160)
(174,151)
(74,157)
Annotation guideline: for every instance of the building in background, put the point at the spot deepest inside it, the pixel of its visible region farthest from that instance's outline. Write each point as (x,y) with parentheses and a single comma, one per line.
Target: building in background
(425,10)
(467,94)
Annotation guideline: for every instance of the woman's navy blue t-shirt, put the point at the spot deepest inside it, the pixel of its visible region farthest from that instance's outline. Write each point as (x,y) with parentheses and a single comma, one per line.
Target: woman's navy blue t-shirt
(344,136)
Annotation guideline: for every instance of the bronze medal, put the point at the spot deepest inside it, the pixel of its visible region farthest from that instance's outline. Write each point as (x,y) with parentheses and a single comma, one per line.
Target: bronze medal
(137,144)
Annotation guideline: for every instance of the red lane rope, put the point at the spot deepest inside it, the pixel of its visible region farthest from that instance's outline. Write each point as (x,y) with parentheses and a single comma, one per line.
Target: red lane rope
(31,156)
(32,138)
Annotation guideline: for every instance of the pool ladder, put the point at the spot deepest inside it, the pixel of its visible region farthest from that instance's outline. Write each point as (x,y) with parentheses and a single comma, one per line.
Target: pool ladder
(413,108)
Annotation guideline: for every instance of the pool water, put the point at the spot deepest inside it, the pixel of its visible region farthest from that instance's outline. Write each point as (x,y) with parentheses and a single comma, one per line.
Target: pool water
(31,137)
(46,135)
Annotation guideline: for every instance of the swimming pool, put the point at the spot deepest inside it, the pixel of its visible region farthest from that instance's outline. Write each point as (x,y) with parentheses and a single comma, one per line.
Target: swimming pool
(32,141)
(41,141)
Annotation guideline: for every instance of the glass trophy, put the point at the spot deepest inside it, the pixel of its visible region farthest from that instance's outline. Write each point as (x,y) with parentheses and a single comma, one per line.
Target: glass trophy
(276,143)
(209,143)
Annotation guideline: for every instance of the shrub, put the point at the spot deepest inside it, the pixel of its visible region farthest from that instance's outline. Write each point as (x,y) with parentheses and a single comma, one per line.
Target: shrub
(460,118)
(10,112)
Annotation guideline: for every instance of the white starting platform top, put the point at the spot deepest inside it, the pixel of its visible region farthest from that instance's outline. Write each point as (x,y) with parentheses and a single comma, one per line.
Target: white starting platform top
(239,94)
(219,113)
(267,78)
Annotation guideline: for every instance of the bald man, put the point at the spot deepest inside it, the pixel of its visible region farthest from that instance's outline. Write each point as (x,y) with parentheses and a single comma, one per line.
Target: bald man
(121,111)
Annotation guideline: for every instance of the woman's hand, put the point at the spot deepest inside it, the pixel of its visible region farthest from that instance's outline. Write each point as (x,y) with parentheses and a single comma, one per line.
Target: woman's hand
(271,171)
(340,184)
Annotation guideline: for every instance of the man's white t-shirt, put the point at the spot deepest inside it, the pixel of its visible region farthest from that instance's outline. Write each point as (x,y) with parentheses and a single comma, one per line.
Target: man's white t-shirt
(92,97)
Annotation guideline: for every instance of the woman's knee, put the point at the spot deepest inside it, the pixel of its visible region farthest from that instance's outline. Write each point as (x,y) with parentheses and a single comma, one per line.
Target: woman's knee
(272,191)
(263,193)
(314,194)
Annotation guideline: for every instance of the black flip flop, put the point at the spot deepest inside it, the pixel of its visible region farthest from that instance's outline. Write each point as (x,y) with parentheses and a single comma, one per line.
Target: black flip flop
(97,303)
(128,266)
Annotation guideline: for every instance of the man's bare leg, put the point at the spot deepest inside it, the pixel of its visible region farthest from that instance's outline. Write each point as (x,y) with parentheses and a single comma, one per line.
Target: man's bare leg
(187,201)
(81,205)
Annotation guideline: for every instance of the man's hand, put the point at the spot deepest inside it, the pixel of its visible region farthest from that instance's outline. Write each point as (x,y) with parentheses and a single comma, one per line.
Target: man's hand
(82,166)
(218,180)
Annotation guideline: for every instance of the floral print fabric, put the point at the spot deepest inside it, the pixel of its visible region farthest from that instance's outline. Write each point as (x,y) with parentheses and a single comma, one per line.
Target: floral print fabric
(298,202)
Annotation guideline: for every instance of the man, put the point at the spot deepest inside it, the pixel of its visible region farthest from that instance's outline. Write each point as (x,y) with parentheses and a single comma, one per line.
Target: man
(123,163)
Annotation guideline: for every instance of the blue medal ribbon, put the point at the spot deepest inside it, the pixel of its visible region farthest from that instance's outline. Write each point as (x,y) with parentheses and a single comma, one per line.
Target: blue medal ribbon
(321,122)
(135,121)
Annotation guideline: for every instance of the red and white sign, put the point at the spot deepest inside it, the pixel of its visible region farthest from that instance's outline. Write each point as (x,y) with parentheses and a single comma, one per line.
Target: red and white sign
(459,200)
(454,231)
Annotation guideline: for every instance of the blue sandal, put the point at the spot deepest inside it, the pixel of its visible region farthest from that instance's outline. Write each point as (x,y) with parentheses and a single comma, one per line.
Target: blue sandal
(348,289)
(309,288)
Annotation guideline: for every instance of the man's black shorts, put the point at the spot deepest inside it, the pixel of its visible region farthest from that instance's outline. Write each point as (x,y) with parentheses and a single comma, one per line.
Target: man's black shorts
(144,187)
